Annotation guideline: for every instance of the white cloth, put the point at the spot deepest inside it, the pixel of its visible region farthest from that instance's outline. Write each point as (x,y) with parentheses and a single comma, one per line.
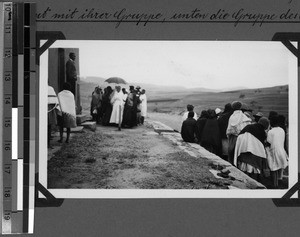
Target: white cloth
(237,121)
(52,98)
(143,99)
(67,102)
(246,142)
(185,116)
(277,156)
(124,98)
(117,103)
(248,168)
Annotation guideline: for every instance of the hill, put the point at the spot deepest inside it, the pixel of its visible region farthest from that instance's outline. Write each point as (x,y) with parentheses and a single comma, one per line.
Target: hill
(261,99)
(174,99)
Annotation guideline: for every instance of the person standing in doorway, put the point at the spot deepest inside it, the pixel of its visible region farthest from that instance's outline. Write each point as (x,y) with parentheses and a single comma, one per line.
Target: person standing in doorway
(71,73)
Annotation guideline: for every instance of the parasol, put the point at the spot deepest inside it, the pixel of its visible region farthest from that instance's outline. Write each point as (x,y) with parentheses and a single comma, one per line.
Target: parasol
(116,80)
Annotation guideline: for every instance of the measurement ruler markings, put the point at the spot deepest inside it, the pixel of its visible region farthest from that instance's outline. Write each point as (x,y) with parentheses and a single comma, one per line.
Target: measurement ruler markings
(7,116)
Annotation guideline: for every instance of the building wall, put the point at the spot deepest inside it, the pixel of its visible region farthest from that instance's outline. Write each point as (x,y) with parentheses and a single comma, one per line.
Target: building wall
(57,60)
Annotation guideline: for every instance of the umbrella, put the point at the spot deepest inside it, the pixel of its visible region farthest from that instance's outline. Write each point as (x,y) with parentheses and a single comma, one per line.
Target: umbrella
(116,80)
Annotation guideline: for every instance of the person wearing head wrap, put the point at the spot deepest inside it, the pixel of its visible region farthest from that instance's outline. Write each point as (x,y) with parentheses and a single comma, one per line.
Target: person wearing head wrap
(96,103)
(130,109)
(257,116)
(277,156)
(188,128)
(190,108)
(237,121)
(211,139)
(250,154)
(106,105)
(223,124)
(200,124)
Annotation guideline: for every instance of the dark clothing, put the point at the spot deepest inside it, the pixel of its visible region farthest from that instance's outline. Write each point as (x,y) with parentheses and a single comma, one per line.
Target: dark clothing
(251,159)
(106,109)
(223,123)
(71,75)
(257,130)
(188,130)
(231,146)
(211,138)
(130,111)
(200,126)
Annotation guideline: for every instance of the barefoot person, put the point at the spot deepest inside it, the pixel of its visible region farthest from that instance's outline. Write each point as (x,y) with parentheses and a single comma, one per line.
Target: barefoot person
(67,111)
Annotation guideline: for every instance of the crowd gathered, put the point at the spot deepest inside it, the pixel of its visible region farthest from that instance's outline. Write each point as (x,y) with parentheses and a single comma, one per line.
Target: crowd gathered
(252,142)
(109,107)
(119,107)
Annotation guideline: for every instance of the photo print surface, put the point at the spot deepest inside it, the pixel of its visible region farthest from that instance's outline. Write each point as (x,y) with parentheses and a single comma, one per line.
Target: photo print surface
(168,118)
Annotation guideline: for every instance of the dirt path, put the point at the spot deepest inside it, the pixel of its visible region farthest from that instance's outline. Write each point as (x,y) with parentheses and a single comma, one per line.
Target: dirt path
(136,158)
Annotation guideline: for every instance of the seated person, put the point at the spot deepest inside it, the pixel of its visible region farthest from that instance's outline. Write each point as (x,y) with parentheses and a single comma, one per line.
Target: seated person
(190,108)
(189,128)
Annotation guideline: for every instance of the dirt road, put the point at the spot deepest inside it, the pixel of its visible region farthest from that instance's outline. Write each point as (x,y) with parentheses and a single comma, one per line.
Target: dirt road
(136,158)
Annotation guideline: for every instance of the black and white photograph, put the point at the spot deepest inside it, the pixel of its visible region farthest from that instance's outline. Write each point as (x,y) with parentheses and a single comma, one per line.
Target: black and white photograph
(169,116)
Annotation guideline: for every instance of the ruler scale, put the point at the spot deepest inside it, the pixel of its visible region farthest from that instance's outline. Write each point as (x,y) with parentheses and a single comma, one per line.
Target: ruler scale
(8,146)
(18,70)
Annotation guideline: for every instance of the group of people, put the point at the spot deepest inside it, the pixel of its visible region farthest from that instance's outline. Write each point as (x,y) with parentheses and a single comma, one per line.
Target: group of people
(253,143)
(119,107)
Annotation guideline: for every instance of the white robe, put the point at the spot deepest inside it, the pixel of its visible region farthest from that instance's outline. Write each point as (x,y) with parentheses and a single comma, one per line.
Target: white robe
(276,154)
(143,99)
(246,142)
(237,121)
(117,103)
(67,102)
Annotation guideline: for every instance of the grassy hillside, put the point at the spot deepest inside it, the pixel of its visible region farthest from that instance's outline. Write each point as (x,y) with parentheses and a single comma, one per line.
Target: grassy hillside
(263,100)
(175,101)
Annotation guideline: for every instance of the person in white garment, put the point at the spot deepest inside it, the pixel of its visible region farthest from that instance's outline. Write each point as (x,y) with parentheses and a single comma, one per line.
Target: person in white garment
(117,103)
(66,117)
(276,154)
(143,99)
(237,121)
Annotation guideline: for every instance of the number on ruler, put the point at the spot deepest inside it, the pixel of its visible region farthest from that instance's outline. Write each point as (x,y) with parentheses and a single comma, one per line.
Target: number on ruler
(7,216)
(7,77)
(7,29)
(7,53)
(7,100)
(7,146)
(7,193)
(8,9)
(7,123)
(7,169)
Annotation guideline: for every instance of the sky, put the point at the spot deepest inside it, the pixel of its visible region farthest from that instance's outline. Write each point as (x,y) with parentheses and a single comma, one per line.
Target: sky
(208,64)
